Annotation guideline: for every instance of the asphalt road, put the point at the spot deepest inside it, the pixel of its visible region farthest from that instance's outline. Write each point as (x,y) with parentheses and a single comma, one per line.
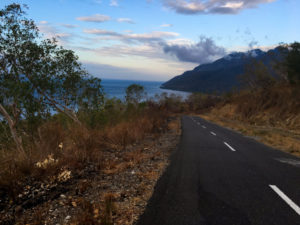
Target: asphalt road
(220,177)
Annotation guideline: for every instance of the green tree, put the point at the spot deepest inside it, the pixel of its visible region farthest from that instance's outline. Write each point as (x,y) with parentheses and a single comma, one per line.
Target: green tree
(292,63)
(135,93)
(288,67)
(37,76)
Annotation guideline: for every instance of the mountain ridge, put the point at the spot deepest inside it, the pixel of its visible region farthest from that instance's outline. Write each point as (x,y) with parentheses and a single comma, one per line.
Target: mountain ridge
(221,75)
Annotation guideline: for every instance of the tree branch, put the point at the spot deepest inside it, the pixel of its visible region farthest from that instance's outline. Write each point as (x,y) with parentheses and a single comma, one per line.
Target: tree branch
(13,131)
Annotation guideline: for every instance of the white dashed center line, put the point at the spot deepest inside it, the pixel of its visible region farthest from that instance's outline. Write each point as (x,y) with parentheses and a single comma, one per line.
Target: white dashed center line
(231,148)
(213,133)
(204,127)
(286,199)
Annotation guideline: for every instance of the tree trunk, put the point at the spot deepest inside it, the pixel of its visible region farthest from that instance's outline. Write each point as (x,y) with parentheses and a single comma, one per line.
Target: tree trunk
(13,131)
(65,110)
(55,104)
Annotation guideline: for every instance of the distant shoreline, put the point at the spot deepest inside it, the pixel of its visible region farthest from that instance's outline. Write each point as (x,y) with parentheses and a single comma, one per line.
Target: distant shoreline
(117,88)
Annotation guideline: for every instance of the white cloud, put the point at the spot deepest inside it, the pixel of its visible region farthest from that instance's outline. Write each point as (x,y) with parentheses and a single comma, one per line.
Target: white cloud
(234,5)
(155,36)
(114,3)
(125,20)
(97,18)
(106,71)
(212,6)
(43,22)
(50,31)
(144,63)
(145,50)
(166,25)
(101,32)
(69,26)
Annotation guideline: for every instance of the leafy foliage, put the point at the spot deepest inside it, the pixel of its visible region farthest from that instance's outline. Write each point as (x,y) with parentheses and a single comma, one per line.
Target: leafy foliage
(134,93)
(293,63)
(38,77)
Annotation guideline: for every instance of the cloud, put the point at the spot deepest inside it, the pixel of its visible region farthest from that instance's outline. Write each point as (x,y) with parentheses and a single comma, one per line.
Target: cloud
(212,6)
(69,26)
(97,18)
(51,31)
(146,50)
(101,32)
(202,52)
(152,36)
(166,25)
(253,44)
(155,36)
(114,3)
(125,20)
(106,71)
(159,45)
(48,30)
(43,22)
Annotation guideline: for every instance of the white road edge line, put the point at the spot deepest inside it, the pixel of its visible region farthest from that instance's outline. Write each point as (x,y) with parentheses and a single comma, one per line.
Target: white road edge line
(213,133)
(286,199)
(231,148)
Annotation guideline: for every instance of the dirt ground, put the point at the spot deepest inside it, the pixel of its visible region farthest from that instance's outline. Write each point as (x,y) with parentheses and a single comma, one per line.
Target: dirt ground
(116,194)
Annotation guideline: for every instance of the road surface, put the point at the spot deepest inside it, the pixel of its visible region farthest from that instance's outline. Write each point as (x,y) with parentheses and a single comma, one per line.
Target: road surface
(220,177)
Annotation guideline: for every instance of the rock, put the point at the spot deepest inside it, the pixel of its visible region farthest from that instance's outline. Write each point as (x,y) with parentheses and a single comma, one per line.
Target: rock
(67,218)
(62,196)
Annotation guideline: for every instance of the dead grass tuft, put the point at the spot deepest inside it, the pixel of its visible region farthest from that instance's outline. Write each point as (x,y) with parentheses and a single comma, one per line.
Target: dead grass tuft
(271,115)
(58,152)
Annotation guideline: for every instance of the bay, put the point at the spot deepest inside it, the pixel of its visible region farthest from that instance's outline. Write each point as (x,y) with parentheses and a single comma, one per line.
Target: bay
(117,88)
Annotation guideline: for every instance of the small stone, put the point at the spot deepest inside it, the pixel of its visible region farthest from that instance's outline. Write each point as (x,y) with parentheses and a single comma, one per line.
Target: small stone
(68,218)
(62,196)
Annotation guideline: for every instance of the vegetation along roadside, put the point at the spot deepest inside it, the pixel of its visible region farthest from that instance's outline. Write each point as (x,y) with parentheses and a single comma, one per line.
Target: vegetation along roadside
(71,156)
(67,151)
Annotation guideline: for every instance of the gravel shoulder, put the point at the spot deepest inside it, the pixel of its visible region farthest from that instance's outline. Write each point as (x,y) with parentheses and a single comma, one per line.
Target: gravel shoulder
(116,194)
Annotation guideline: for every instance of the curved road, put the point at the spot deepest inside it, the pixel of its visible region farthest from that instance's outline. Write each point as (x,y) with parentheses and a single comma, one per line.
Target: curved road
(220,177)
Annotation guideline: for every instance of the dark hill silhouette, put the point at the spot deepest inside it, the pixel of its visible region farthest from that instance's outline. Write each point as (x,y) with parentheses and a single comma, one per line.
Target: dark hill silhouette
(220,75)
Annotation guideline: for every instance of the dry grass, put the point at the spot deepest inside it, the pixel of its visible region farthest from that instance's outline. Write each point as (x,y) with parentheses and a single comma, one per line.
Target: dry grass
(89,213)
(128,132)
(279,138)
(272,116)
(115,195)
(58,152)
(175,126)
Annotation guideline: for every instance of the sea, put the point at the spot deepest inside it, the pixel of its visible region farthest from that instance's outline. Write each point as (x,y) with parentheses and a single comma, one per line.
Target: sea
(117,88)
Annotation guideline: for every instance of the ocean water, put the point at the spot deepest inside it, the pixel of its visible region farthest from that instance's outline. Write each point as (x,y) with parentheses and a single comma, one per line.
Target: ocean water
(117,88)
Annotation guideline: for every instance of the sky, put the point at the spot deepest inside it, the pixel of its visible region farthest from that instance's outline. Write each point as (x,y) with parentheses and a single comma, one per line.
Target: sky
(159,39)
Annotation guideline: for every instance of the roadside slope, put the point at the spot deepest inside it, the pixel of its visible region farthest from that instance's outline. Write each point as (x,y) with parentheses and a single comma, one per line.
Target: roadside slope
(272,116)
